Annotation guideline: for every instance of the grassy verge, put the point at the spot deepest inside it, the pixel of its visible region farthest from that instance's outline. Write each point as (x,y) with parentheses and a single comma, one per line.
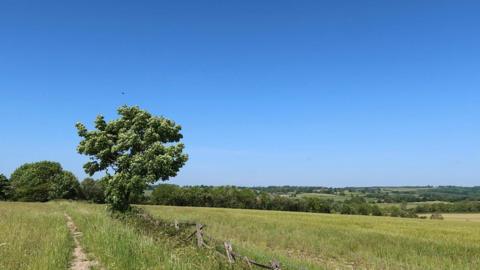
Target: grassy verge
(34,236)
(119,245)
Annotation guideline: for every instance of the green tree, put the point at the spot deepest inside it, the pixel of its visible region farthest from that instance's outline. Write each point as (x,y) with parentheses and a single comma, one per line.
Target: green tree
(165,194)
(4,188)
(65,186)
(93,190)
(43,181)
(134,150)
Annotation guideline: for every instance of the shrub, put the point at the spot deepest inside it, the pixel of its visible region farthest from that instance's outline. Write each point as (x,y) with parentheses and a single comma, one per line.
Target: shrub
(43,181)
(436,216)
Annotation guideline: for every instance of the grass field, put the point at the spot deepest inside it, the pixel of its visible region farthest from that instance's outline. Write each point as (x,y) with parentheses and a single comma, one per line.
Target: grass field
(410,205)
(466,217)
(36,237)
(33,236)
(337,241)
(462,217)
(324,196)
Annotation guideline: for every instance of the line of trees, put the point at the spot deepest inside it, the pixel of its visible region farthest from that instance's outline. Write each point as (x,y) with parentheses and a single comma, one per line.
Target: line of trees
(234,197)
(455,207)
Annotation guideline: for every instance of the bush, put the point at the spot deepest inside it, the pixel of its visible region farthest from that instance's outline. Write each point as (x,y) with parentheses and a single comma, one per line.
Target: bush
(436,216)
(43,181)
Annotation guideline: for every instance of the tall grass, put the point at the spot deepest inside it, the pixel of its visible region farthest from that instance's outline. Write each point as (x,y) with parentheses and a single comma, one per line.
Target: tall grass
(34,236)
(330,241)
(118,245)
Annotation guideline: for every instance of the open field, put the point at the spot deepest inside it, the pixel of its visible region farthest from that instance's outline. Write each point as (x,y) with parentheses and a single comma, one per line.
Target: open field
(463,217)
(33,236)
(40,239)
(324,196)
(466,217)
(410,205)
(338,241)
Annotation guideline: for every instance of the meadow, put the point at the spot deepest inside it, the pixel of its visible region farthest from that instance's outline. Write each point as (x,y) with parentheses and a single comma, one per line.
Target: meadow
(466,217)
(329,241)
(33,236)
(36,237)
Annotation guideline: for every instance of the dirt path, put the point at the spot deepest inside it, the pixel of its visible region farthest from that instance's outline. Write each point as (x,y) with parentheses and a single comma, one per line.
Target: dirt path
(80,259)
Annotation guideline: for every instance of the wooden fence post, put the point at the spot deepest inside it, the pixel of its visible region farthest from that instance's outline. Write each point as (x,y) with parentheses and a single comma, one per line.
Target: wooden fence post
(176,225)
(247,260)
(199,235)
(275,265)
(228,250)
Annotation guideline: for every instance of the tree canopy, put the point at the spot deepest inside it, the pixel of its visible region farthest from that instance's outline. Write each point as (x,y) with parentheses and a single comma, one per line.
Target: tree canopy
(134,150)
(43,181)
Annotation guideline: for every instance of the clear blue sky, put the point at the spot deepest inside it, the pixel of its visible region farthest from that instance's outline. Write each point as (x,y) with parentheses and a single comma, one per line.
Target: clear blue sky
(332,93)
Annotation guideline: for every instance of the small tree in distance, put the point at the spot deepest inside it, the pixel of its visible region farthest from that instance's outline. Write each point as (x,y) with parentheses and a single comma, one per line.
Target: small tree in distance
(133,150)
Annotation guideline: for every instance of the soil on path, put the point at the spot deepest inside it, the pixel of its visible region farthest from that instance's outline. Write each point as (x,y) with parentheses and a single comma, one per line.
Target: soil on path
(80,259)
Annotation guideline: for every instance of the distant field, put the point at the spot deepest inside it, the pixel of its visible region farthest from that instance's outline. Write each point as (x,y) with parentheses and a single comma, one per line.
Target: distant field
(409,204)
(324,196)
(405,189)
(474,217)
(36,237)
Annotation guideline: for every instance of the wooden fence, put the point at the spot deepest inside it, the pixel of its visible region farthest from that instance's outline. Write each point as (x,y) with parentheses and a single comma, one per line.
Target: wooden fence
(203,240)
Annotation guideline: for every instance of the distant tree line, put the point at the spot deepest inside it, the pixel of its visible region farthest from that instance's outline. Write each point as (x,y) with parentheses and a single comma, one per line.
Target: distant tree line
(245,198)
(455,207)
(46,180)
(386,194)
(441,193)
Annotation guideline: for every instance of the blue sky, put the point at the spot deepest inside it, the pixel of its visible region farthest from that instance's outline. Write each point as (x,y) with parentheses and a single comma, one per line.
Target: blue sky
(331,93)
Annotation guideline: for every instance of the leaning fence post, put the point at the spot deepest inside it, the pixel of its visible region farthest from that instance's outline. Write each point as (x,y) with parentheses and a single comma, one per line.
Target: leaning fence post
(199,235)
(247,260)
(275,265)
(228,250)
(176,225)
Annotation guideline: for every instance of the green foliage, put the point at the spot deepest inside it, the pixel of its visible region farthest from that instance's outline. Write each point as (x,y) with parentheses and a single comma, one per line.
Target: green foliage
(165,194)
(93,191)
(455,207)
(43,181)
(4,187)
(137,148)
(235,197)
